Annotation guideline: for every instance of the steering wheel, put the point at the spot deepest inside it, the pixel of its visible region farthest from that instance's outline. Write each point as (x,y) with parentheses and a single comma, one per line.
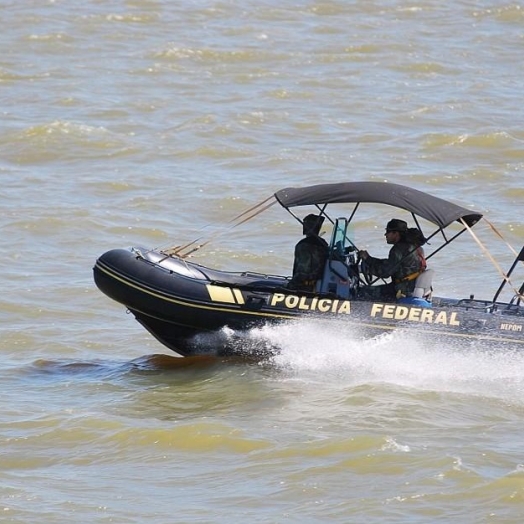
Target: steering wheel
(365,271)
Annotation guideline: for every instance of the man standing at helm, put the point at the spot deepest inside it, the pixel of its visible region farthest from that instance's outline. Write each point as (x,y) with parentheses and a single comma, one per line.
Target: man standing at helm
(404,263)
(311,254)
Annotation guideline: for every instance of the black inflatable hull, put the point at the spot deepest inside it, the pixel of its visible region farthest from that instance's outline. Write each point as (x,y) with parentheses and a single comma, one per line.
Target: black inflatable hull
(192,309)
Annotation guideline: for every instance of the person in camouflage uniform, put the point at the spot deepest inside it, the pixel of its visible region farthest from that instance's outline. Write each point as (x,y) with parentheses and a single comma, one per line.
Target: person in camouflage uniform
(404,263)
(311,254)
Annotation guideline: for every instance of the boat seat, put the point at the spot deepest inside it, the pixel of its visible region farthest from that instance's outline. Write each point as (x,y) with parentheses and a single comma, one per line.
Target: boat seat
(335,279)
(423,285)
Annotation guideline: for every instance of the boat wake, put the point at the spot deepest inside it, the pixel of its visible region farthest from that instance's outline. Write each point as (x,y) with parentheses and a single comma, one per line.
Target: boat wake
(403,358)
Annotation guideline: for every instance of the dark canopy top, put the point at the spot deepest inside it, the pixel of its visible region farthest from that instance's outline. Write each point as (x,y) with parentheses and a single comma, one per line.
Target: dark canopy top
(434,209)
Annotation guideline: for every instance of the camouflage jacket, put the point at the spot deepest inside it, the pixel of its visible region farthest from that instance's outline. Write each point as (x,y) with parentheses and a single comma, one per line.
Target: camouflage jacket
(403,261)
(311,254)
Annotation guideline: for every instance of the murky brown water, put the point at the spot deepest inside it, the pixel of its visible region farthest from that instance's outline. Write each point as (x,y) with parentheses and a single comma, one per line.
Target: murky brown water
(139,122)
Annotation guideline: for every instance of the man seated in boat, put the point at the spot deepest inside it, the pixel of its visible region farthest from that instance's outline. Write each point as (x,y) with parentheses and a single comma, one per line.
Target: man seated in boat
(311,254)
(404,264)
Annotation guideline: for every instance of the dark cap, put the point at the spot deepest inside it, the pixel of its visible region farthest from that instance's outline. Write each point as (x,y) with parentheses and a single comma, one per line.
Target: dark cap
(314,219)
(312,224)
(396,224)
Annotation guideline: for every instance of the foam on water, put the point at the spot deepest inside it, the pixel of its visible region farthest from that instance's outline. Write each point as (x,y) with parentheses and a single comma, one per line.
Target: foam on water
(330,353)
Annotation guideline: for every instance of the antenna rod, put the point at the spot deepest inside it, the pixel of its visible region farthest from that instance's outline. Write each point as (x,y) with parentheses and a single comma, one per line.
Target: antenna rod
(519,258)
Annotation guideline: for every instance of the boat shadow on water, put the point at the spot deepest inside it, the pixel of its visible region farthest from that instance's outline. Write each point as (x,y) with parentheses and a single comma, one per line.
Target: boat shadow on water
(65,369)
(214,351)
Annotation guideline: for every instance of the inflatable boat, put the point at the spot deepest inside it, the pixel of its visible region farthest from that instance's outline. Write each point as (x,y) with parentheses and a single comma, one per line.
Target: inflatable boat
(193,309)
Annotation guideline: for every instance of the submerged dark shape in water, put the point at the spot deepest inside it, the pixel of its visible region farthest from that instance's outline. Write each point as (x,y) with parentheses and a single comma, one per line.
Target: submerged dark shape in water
(194,310)
(108,370)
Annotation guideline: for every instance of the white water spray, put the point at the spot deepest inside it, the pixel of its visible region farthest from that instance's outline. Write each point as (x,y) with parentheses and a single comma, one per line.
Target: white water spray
(332,352)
